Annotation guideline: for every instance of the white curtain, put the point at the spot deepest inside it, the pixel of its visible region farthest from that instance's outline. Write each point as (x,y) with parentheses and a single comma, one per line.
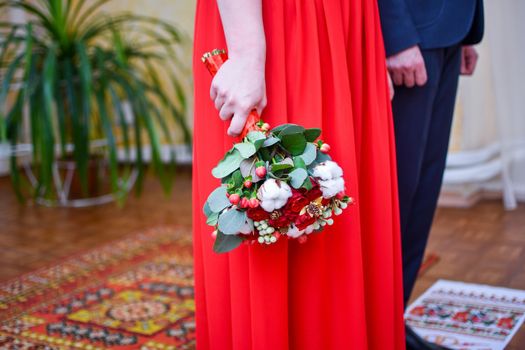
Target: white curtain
(488,143)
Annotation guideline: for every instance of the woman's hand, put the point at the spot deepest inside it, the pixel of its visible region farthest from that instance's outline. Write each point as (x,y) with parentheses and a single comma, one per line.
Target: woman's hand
(238,88)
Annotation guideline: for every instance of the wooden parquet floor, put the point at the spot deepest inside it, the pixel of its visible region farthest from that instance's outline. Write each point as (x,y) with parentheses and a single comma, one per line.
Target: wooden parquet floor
(483,244)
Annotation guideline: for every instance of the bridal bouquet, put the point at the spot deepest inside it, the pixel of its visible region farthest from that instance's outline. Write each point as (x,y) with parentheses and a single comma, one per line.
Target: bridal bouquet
(275,183)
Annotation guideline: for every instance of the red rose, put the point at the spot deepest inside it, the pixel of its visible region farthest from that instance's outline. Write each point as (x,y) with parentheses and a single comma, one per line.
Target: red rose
(257,214)
(281,218)
(303,221)
(314,193)
(296,202)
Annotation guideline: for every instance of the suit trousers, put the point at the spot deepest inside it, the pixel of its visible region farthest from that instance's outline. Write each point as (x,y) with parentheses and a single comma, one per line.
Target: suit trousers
(423,119)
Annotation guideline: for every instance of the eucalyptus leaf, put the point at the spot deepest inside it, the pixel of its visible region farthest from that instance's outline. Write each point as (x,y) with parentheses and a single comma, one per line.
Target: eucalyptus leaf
(231,162)
(257,138)
(246,149)
(247,168)
(231,221)
(309,154)
(287,163)
(225,243)
(217,200)
(322,157)
(290,129)
(294,143)
(212,219)
(206,209)
(312,134)
(299,162)
(297,177)
(271,141)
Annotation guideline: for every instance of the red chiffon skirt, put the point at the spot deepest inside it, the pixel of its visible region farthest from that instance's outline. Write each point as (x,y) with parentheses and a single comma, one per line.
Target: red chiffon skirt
(342,289)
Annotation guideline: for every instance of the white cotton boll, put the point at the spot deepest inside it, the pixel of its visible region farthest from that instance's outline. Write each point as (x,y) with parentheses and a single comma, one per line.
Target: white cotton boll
(267,205)
(332,187)
(273,194)
(294,232)
(335,169)
(321,171)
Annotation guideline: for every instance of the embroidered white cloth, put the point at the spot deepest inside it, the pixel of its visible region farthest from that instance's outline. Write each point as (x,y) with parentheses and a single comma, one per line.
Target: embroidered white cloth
(465,316)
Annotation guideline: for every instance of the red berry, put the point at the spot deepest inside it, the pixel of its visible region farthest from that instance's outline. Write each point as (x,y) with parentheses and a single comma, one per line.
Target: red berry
(260,171)
(254,203)
(325,148)
(341,195)
(234,198)
(245,202)
(248,184)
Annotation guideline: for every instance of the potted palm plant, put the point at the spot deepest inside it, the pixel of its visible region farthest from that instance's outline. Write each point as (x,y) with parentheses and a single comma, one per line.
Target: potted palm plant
(87,89)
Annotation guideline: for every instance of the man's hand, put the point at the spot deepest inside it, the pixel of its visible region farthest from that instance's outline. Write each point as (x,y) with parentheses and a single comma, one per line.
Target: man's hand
(469,59)
(407,67)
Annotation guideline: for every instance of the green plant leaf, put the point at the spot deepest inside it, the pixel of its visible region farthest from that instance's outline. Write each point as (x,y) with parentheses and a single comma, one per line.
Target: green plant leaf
(287,163)
(217,200)
(312,134)
(291,129)
(237,178)
(322,157)
(212,219)
(246,149)
(309,154)
(257,138)
(297,177)
(271,141)
(294,143)
(231,162)
(225,243)
(231,221)
(299,162)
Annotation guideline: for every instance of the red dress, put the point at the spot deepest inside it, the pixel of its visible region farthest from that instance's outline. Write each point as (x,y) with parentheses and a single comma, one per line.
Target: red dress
(342,289)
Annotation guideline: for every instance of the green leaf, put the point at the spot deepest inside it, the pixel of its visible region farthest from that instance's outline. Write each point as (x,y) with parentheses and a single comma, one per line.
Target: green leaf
(294,143)
(246,149)
(309,154)
(307,185)
(237,178)
(231,221)
(257,138)
(212,219)
(231,162)
(299,162)
(297,177)
(312,134)
(287,163)
(206,209)
(217,200)
(291,129)
(271,141)
(322,157)
(225,243)
(280,128)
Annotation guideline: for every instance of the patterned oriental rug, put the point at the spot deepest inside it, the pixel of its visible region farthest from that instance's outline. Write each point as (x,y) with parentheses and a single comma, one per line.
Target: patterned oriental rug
(135,293)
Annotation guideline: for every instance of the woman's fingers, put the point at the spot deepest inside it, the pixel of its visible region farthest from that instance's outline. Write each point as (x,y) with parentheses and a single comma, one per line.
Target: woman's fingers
(226,112)
(219,101)
(238,122)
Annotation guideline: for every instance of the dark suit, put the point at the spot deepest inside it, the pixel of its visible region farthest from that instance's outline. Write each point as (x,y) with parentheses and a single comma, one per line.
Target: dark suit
(423,115)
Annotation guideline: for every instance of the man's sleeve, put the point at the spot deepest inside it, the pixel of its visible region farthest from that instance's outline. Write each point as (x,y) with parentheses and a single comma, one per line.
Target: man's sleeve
(399,31)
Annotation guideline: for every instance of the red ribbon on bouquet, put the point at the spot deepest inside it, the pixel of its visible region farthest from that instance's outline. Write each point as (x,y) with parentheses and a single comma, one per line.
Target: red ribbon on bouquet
(213,60)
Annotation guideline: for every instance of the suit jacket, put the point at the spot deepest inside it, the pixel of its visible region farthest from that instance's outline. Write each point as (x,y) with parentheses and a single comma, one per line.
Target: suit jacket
(430,23)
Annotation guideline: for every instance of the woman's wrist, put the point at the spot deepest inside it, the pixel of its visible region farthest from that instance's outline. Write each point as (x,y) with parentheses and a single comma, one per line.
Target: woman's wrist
(255,50)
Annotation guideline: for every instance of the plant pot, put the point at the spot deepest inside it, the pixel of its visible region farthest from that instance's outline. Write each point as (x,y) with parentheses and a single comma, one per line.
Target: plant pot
(67,188)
